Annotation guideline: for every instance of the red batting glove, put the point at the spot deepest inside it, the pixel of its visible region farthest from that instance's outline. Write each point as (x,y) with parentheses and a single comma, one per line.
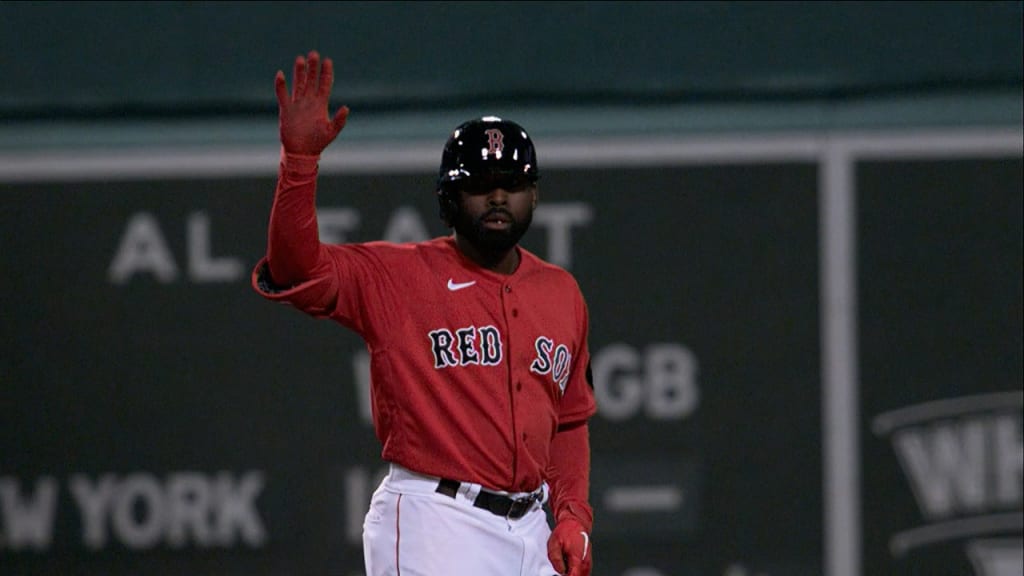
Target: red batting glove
(305,127)
(569,548)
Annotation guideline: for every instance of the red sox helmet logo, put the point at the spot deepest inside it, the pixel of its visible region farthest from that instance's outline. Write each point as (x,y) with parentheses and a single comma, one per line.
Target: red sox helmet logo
(495,142)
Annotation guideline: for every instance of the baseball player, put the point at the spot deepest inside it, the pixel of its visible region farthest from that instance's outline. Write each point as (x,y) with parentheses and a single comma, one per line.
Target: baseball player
(479,362)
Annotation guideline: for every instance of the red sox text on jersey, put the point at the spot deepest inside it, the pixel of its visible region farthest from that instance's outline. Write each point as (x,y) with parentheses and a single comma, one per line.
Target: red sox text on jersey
(472,345)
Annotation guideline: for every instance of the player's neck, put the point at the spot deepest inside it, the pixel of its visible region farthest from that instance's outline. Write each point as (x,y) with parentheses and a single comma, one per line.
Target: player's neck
(503,262)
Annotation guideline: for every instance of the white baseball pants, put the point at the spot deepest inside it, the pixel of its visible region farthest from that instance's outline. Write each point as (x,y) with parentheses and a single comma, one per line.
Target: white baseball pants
(412,530)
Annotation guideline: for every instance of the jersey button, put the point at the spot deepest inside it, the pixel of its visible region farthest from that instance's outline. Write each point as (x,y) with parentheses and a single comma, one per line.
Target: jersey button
(515,312)
(519,386)
(508,288)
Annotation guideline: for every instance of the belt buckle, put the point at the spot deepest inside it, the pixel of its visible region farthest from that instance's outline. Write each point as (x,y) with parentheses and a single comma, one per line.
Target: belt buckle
(520,506)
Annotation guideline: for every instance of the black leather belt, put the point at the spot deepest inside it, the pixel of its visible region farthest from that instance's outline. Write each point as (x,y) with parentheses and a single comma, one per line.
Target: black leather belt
(496,504)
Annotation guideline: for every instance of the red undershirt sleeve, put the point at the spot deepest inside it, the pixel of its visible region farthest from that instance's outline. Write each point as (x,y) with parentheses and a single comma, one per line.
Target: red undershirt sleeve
(569,475)
(293,238)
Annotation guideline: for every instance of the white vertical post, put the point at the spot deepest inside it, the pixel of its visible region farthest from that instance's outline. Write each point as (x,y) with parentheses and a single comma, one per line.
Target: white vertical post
(840,410)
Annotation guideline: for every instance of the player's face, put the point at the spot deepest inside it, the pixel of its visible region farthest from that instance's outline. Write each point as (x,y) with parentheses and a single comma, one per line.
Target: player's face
(494,215)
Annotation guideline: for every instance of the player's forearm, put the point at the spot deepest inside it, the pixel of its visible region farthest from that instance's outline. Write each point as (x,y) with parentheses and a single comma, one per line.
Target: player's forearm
(569,474)
(293,242)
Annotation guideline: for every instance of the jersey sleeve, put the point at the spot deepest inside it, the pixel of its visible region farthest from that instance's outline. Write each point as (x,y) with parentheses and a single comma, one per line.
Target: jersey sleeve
(347,284)
(578,403)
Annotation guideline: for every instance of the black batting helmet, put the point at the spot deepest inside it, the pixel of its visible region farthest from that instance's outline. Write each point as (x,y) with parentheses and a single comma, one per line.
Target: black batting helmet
(480,153)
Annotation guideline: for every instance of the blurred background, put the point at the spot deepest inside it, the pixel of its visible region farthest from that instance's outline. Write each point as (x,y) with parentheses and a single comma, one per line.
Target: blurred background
(797,225)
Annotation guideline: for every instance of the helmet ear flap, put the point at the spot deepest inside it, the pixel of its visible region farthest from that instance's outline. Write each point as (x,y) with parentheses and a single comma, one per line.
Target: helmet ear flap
(448,206)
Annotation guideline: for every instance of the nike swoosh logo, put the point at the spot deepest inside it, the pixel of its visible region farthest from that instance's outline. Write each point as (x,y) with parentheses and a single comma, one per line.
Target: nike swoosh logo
(453,286)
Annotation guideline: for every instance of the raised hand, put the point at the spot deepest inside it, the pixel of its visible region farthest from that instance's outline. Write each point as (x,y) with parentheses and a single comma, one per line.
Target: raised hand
(303,117)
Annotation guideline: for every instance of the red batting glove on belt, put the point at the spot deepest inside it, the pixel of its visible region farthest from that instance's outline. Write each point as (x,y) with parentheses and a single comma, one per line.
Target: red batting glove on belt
(305,127)
(569,548)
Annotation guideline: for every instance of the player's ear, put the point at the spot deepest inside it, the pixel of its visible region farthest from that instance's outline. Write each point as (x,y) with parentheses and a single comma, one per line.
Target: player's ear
(535,195)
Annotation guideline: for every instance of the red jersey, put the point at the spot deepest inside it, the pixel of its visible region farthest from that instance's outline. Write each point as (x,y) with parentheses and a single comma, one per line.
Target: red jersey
(472,371)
